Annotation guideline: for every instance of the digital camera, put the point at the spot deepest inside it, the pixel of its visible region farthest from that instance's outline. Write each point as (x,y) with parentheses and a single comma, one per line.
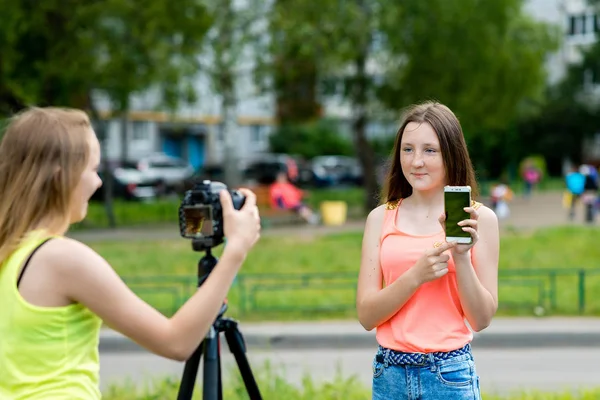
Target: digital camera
(201,214)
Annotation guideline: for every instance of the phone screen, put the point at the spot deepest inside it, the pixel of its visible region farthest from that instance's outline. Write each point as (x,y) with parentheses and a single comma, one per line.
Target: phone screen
(455,202)
(198,221)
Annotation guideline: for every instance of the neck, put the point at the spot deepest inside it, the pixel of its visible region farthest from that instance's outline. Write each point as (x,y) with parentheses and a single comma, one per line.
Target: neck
(427,203)
(428,199)
(51,225)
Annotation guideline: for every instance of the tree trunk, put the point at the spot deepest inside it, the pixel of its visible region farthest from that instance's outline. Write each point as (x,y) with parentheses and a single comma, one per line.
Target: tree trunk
(124,136)
(363,148)
(225,78)
(231,135)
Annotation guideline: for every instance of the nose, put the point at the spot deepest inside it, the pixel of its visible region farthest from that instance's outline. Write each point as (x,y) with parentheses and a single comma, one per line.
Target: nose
(418,159)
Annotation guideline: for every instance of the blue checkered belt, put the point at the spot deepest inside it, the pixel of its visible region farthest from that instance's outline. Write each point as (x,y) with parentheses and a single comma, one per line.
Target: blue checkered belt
(393,357)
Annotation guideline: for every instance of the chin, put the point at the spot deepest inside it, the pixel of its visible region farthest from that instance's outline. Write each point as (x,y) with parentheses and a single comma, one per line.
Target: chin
(425,186)
(80,216)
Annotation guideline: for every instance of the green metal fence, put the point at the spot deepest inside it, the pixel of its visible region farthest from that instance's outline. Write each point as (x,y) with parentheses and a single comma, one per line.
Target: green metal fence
(559,290)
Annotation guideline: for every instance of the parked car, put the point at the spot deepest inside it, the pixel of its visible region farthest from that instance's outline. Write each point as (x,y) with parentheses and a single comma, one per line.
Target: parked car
(129,184)
(171,171)
(264,170)
(336,170)
(207,172)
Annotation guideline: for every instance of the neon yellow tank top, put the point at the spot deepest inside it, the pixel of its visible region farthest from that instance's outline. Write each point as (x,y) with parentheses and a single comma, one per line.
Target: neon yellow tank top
(45,352)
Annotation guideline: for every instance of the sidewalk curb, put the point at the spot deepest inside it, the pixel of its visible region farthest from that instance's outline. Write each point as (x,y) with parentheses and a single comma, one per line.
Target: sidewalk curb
(111,343)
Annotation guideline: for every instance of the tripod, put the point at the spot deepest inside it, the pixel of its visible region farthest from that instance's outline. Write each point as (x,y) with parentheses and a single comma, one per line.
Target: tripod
(210,346)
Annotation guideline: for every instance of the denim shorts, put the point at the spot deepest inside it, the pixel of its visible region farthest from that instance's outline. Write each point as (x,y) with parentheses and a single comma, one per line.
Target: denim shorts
(434,376)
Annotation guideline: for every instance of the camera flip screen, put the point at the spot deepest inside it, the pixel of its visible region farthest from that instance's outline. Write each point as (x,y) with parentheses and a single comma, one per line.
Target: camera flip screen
(198,221)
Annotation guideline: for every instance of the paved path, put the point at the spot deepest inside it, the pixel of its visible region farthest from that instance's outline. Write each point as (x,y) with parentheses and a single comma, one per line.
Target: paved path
(519,332)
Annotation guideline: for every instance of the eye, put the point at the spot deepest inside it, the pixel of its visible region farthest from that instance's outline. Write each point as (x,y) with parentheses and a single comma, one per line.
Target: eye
(430,150)
(407,149)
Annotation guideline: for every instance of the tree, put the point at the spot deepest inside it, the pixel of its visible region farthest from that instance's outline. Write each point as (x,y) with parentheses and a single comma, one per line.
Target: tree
(336,37)
(483,59)
(310,140)
(236,27)
(63,52)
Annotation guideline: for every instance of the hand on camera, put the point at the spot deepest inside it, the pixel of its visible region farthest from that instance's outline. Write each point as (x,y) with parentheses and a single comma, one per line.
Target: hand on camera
(241,227)
(433,264)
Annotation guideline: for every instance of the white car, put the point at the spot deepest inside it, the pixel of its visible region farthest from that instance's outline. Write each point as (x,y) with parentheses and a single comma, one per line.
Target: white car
(171,171)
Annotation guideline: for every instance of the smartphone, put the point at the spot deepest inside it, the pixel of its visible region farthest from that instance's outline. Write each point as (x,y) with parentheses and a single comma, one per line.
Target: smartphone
(456,198)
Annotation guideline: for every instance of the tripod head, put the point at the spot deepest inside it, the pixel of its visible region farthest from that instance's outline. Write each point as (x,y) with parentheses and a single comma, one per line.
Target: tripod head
(207,262)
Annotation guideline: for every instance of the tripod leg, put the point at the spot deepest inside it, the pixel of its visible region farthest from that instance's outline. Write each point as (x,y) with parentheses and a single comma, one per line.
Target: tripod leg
(212,373)
(186,388)
(237,346)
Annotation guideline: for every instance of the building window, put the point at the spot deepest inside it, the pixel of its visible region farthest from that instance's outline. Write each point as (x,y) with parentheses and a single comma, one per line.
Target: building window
(140,130)
(258,135)
(582,24)
(221,133)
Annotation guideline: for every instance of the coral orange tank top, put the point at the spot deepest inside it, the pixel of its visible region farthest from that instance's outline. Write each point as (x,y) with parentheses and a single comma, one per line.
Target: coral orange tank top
(433,318)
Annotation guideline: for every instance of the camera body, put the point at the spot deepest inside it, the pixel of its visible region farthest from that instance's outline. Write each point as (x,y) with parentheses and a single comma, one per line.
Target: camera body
(201,214)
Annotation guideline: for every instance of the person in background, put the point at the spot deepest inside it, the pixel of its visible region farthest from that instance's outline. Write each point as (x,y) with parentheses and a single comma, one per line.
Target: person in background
(501,195)
(590,192)
(284,195)
(575,182)
(531,176)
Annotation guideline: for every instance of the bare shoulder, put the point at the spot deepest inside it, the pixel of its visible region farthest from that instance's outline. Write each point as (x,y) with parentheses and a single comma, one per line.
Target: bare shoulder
(377,213)
(486,214)
(67,254)
(375,219)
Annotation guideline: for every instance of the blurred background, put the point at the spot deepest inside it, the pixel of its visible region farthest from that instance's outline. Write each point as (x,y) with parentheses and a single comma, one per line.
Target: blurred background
(239,91)
(236,90)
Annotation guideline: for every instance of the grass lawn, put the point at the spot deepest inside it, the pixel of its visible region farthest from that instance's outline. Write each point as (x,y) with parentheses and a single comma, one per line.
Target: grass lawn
(315,277)
(273,385)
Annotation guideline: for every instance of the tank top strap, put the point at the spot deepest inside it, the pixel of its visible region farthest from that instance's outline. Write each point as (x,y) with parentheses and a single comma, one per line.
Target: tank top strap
(475,204)
(13,263)
(391,209)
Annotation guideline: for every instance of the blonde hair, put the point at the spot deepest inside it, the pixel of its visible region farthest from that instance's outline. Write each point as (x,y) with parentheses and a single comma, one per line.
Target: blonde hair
(43,153)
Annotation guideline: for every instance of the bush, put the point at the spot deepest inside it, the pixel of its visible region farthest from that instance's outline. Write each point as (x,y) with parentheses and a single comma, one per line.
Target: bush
(311,140)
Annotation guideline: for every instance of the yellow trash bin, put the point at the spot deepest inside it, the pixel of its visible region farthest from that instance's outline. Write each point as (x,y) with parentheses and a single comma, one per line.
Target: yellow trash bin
(334,212)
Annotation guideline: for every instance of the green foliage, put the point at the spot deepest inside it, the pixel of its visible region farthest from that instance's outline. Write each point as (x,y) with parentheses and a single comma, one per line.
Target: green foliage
(310,140)
(273,385)
(487,59)
(569,114)
(59,51)
(382,147)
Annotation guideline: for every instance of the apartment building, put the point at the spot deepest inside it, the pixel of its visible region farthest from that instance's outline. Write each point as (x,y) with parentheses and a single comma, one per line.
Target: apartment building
(195,132)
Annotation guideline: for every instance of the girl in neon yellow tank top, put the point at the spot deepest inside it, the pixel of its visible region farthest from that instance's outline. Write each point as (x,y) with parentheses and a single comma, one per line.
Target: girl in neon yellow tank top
(415,288)
(56,291)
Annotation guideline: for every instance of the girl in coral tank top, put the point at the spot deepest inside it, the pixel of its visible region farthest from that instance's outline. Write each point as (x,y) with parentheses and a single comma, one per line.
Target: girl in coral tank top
(423,294)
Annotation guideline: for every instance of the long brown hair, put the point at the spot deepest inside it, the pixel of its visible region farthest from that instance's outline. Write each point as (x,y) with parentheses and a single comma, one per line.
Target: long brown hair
(42,156)
(457,163)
